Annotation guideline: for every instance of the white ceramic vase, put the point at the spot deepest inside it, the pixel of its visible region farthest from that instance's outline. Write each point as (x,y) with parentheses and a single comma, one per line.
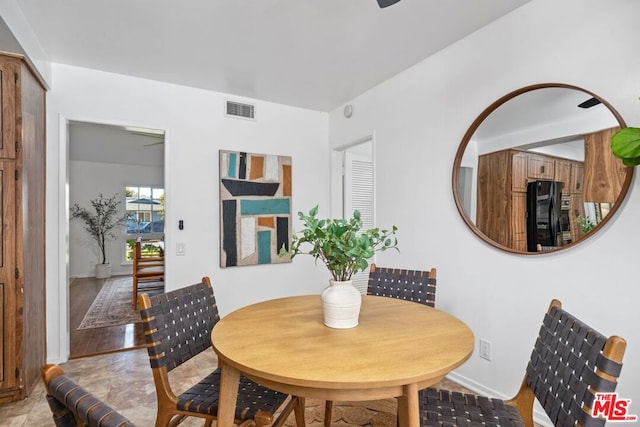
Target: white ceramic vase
(103,271)
(341,303)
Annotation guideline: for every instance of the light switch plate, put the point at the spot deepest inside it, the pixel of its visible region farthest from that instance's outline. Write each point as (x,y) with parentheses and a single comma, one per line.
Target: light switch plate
(180,249)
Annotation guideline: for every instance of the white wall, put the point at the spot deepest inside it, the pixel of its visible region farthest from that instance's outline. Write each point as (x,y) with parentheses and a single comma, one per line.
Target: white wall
(29,44)
(196,129)
(86,181)
(420,116)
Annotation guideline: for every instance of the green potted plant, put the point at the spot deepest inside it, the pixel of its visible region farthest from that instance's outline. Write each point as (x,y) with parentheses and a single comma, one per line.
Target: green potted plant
(100,221)
(625,144)
(586,224)
(345,249)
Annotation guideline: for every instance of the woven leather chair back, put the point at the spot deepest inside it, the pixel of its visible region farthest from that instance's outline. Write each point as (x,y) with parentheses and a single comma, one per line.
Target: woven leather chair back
(72,405)
(563,367)
(178,324)
(411,285)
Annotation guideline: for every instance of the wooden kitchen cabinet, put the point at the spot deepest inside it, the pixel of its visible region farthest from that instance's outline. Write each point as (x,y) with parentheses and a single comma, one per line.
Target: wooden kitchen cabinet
(495,177)
(22,257)
(502,191)
(576,210)
(519,221)
(562,169)
(540,167)
(501,200)
(520,178)
(605,174)
(577,177)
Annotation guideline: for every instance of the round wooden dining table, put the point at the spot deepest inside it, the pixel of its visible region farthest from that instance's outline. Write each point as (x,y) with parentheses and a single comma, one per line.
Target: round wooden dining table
(398,348)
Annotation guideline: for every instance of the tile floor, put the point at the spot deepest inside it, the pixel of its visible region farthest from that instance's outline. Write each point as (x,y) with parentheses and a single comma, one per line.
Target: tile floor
(125,382)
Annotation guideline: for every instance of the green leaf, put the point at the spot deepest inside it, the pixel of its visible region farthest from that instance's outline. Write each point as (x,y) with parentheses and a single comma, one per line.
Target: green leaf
(635,161)
(625,144)
(340,243)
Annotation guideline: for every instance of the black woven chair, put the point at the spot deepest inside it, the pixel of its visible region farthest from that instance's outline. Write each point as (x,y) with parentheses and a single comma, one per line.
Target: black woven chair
(72,405)
(411,285)
(570,362)
(178,327)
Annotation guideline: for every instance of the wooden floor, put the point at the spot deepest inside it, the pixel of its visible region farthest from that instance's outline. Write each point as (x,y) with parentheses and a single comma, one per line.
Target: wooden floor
(89,342)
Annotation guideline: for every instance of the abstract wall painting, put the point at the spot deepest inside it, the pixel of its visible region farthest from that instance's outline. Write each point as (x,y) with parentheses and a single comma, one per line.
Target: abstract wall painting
(255,208)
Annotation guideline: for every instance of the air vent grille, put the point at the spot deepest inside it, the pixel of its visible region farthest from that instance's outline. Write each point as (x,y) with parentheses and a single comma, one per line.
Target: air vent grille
(238,109)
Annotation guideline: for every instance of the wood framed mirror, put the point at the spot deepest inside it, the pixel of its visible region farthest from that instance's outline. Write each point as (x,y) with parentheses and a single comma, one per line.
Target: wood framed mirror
(535,173)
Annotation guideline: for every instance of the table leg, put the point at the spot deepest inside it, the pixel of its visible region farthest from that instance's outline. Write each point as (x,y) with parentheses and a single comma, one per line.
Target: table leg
(229,380)
(409,407)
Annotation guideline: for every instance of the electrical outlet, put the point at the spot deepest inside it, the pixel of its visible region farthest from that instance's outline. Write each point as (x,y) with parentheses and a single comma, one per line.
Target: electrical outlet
(485,349)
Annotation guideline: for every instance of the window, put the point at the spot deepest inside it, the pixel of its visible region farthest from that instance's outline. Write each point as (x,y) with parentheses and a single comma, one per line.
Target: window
(145,210)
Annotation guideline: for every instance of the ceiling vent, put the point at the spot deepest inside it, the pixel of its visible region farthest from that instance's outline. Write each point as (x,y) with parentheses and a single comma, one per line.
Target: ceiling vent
(238,109)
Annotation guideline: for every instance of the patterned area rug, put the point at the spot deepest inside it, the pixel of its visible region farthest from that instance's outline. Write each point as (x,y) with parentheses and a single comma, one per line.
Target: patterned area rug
(375,413)
(112,306)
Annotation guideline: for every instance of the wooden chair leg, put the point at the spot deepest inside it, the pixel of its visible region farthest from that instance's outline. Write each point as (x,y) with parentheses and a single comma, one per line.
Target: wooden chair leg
(328,409)
(299,412)
(135,293)
(163,419)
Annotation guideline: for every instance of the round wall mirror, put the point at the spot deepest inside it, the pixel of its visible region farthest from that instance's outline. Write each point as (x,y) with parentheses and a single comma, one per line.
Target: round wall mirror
(535,173)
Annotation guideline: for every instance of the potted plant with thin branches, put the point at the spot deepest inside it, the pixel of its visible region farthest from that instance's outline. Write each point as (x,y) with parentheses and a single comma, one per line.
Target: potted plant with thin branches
(345,249)
(100,221)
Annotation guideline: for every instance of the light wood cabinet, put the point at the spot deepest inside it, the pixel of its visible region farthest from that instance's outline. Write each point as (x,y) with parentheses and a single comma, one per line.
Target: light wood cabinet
(22,257)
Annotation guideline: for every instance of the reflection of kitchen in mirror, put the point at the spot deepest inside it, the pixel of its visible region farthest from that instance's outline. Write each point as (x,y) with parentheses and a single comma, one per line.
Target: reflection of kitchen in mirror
(542,173)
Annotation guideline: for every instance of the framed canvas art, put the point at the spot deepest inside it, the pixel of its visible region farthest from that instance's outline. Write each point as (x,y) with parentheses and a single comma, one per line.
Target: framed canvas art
(255,208)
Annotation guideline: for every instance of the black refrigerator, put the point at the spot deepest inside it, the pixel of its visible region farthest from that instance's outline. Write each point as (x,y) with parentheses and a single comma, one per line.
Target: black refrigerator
(544,201)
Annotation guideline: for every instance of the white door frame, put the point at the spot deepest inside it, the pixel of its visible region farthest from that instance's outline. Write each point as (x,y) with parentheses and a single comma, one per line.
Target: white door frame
(337,173)
(63,322)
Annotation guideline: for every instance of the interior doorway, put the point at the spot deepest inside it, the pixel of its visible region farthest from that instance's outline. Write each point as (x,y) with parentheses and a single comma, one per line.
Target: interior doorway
(110,160)
(356,189)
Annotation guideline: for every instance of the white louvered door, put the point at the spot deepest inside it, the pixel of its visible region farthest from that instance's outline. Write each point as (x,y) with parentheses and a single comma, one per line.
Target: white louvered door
(359,195)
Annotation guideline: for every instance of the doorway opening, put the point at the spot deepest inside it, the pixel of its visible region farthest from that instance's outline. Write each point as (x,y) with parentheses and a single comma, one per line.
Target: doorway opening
(128,163)
(355,189)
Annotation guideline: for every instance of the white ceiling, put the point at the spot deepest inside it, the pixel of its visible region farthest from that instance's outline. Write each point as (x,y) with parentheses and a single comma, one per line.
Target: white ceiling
(315,54)
(547,120)
(547,108)
(93,142)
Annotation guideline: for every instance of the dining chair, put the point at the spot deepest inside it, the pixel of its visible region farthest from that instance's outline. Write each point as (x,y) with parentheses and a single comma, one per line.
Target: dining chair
(148,273)
(411,285)
(177,327)
(73,406)
(569,364)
